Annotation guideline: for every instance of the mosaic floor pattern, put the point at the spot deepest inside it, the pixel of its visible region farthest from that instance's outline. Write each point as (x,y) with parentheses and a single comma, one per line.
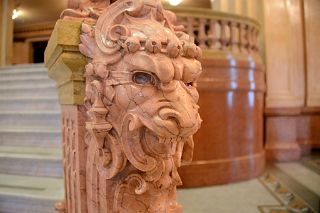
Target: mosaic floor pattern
(284,188)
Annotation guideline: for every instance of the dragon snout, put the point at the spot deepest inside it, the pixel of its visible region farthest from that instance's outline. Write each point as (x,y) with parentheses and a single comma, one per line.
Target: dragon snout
(183,119)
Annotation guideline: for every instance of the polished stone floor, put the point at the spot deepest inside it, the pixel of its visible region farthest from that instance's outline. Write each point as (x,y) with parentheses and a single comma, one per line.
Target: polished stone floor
(285,187)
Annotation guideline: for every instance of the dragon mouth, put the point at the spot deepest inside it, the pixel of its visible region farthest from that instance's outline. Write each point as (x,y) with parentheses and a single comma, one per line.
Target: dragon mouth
(168,129)
(159,146)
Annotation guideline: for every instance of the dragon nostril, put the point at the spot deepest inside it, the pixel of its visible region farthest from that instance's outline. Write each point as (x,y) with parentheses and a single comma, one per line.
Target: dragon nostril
(169,115)
(174,119)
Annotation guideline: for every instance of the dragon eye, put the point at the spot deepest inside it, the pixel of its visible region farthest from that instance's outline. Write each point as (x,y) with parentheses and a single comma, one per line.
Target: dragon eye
(190,84)
(143,78)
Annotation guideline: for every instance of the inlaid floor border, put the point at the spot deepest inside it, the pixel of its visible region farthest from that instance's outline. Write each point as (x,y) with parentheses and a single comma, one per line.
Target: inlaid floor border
(292,195)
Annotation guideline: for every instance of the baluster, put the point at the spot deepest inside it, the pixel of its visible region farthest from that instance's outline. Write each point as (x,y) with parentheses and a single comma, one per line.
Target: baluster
(190,27)
(251,46)
(234,39)
(202,36)
(256,41)
(248,39)
(223,36)
(242,40)
(213,34)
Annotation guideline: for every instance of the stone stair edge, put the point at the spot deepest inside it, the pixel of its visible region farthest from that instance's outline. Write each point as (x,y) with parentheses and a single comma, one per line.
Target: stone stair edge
(29,112)
(28,196)
(52,183)
(31,151)
(23,67)
(32,87)
(23,98)
(30,129)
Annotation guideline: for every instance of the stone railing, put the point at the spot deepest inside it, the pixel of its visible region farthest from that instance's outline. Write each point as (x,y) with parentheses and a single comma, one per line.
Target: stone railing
(217,31)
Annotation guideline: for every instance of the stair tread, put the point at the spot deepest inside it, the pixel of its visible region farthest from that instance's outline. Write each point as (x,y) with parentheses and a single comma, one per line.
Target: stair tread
(29,112)
(30,152)
(9,85)
(30,129)
(44,188)
(35,98)
(19,79)
(21,87)
(23,68)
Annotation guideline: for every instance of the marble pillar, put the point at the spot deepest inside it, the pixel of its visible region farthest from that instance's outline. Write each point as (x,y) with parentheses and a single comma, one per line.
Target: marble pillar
(6,32)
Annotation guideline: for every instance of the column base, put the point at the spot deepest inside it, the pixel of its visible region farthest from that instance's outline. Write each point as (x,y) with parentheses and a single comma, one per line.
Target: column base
(222,171)
(284,152)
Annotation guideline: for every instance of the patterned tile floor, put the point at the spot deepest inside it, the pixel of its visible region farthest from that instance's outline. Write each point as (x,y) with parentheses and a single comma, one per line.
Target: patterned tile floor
(284,188)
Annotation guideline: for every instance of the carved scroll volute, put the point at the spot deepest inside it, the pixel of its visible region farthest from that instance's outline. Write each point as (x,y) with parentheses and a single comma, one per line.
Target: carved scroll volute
(106,33)
(141,79)
(132,146)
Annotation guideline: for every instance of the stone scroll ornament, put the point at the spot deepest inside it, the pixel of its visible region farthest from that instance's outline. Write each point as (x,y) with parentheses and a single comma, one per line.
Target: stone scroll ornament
(141,101)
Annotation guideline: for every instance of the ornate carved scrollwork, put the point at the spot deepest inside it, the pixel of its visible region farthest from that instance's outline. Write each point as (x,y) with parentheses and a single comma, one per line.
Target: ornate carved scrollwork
(141,102)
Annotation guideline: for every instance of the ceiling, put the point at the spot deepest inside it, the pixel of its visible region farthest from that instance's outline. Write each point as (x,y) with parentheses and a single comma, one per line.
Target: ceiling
(38,11)
(43,11)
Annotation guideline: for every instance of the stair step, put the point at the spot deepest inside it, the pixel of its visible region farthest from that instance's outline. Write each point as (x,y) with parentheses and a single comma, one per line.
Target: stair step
(31,161)
(40,91)
(24,74)
(30,136)
(22,83)
(24,77)
(31,152)
(29,194)
(33,118)
(31,103)
(24,68)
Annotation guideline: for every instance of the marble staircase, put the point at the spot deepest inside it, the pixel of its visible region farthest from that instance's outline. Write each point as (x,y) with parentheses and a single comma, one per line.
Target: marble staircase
(31,173)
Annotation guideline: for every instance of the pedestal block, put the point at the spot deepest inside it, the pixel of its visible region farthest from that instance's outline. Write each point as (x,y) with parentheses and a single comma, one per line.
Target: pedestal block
(229,145)
(291,132)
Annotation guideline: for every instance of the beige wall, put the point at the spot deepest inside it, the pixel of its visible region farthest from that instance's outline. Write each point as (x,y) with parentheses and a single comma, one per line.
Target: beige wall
(312,33)
(249,8)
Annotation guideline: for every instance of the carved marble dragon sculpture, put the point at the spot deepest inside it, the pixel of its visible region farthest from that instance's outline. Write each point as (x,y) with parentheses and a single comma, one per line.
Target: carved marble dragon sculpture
(142,107)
